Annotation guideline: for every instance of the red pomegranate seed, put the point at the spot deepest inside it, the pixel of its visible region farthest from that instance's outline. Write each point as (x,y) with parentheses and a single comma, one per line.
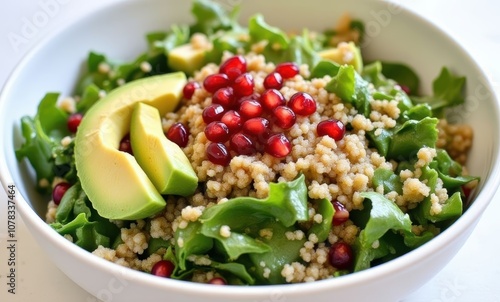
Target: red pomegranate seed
(341,214)
(125,145)
(341,255)
(213,112)
(217,132)
(163,268)
(233,121)
(250,108)
(178,134)
(257,127)
(287,70)
(405,88)
(189,89)
(467,192)
(74,121)
(278,145)
(243,85)
(217,281)
(302,104)
(283,117)
(273,81)
(271,99)
(224,96)
(214,82)
(331,127)
(217,153)
(58,191)
(233,67)
(242,144)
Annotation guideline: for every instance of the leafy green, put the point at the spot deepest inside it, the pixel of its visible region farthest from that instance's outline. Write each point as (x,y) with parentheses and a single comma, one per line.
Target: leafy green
(259,30)
(450,171)
(322,230)
(384,216)
(76,217)
(42,133)
(388,179)
(411,136)
(282,251)
(352,88)
(212,17)
(325,68)
(245,218)
(190,241)
(402,74)
(447,91)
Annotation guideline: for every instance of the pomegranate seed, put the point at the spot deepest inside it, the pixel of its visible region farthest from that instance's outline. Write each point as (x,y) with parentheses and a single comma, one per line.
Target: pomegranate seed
(287,70)
(74,121)
(467,192)
(250,108)
(278,145)
(405,88)
(233,121)
(341,214)
(214,82)
(302,104)
(233,67)
(217,281)
(283,117)
(58,191)
(125,145)
(257,127)
(217,153)
(178,134)
(213,112)
(189,89)
(224,96)
(273,81)
(242,144)
(243,85)
(331,127)
(217,132)
(271,99)
(341,256)
(163,268)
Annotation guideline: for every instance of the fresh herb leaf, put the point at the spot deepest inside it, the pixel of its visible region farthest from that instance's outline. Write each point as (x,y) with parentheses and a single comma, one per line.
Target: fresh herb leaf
(402,74)
(447,91)
(352,88)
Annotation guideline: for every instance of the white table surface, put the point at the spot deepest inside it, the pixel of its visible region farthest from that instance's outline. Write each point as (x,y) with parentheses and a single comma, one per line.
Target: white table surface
(471,276)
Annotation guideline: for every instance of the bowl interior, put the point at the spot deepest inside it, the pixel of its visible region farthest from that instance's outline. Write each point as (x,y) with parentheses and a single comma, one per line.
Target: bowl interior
(392,34)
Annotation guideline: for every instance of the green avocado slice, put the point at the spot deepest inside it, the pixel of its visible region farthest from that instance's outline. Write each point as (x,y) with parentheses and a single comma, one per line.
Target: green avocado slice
(116,185)
(163,160)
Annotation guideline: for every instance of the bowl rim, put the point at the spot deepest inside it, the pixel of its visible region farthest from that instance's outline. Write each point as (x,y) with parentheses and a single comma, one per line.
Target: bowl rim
(32,219)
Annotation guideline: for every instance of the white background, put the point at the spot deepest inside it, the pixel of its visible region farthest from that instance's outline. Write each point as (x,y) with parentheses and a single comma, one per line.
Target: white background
(471,276)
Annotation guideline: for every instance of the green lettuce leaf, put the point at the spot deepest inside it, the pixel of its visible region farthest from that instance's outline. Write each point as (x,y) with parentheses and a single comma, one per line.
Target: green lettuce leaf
(322,230)
(211,17)
(76,217)
(384,216)
(352,88)
(42,134)
(411,137)
(447,91)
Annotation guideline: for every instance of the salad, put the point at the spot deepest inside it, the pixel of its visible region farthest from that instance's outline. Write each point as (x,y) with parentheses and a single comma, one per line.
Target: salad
(246,155)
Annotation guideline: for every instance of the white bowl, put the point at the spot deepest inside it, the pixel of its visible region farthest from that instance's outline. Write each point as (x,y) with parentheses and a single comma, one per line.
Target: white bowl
(118,30)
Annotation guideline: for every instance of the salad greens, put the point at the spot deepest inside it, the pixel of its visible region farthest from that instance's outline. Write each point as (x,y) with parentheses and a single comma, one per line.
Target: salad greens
(230,234)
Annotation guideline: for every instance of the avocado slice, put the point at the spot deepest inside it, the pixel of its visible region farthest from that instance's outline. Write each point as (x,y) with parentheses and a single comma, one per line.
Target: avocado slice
(186,58)
(163,160)
(339,54)
(113,180)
